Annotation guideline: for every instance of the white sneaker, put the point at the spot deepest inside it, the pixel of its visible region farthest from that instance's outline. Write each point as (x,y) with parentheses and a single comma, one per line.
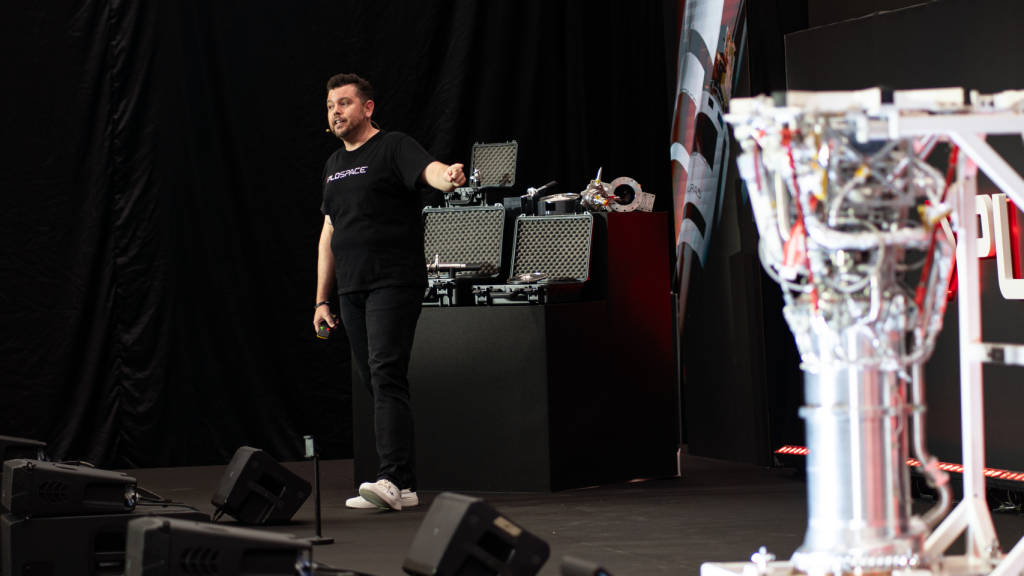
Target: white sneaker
(409,499)
(382,494)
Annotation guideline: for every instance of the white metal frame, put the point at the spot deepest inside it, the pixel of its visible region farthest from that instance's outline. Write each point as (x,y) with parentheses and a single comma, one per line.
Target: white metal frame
(972,514)
(967,131)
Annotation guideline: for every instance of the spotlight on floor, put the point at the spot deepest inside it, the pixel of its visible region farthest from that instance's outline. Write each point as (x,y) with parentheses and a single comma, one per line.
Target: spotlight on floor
(164,547)
(464,536)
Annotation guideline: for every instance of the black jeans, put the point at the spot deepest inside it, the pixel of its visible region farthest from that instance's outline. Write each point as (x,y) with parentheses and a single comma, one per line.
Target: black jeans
(381,324)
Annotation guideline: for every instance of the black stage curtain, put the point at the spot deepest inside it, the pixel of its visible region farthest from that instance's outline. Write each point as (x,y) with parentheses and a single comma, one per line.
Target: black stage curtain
(160,177)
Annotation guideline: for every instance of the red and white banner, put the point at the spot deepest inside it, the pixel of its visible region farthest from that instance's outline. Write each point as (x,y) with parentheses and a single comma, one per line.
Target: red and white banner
(707,67)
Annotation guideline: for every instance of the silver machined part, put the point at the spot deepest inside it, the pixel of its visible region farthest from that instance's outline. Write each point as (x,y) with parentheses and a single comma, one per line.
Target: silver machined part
(561,197)
(596,197)
(642,201)
(937,478)
(837,216)
(858,482)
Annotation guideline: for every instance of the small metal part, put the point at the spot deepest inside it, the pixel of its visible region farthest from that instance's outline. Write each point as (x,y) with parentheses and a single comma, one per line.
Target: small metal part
(529,200)
(561,197)
(464,196)
(474,179)
(761,558)
(600,197)
(536,191)
(436,267)
(527,278)
(559,204)
(997,356)
(596,197)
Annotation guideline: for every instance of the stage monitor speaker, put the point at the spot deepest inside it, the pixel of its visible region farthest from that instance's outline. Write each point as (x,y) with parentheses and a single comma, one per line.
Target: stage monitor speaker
(572,566)
(162,547)
(463,536)
(37,489)
(255,489)
(21,448)
(93,545)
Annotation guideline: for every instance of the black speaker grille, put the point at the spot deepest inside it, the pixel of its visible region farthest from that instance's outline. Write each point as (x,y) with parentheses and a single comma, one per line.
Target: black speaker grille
(8,480)
(5,536)
(496,163)
(7,486)
(465,235)
(54,492)
(556,246)
(199,562)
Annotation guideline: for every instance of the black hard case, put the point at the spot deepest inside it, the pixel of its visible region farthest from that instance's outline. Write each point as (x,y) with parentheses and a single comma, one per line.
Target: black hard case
(559,246)
(497,165)
(473,235)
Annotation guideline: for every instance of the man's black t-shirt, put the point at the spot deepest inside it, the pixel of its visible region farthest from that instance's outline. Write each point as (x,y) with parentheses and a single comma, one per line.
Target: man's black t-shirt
(370,194)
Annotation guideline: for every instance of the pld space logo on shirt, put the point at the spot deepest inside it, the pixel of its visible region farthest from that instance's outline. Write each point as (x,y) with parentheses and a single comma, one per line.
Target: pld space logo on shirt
(346,173)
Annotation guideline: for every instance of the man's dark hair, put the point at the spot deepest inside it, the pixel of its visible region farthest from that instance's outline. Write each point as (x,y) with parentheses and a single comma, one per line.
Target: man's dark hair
(363,88)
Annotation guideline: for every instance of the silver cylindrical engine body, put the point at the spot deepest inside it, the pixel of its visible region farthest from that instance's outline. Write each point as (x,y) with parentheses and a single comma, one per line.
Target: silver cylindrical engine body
(858,485)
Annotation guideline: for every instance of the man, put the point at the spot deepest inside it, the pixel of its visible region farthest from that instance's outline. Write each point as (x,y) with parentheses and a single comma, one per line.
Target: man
(372,245)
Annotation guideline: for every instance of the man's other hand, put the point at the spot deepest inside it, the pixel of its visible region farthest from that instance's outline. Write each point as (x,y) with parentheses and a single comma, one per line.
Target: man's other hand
(322,314)
(454,175)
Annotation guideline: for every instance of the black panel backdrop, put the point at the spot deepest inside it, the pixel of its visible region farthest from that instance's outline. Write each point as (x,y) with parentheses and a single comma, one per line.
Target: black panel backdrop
(160,178)
(976,45)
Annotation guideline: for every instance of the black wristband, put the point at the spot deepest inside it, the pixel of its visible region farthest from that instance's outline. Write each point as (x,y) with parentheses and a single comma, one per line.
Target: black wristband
(319,304)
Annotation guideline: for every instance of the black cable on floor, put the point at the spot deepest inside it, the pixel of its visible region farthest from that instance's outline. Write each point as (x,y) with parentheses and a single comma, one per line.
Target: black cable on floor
(76,463)
(324,568)
(169,505)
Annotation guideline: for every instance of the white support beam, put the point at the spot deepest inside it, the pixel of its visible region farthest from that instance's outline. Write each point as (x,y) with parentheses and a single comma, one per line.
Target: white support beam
(1013,563)
(998,170)
(995,353)
(920,125)
(949,530)
(972,408)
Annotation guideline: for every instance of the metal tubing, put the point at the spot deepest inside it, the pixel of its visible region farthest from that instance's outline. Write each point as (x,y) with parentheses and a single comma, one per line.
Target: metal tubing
(937,478)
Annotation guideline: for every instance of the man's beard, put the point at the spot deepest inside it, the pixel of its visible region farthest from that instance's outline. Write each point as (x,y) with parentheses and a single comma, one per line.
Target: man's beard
(349,126)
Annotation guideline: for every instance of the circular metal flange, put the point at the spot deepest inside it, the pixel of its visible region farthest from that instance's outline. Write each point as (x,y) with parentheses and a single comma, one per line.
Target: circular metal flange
(614,206)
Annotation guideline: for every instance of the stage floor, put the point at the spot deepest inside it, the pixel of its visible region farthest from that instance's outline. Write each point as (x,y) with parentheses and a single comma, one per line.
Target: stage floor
(715,511)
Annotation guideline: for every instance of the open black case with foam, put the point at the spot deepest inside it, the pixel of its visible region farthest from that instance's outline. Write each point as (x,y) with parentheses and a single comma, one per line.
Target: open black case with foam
(466,235)
(557,247)
(496,164)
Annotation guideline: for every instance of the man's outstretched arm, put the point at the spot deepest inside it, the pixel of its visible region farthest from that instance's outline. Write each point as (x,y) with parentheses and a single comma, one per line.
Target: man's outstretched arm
(324,276)
(442,176)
